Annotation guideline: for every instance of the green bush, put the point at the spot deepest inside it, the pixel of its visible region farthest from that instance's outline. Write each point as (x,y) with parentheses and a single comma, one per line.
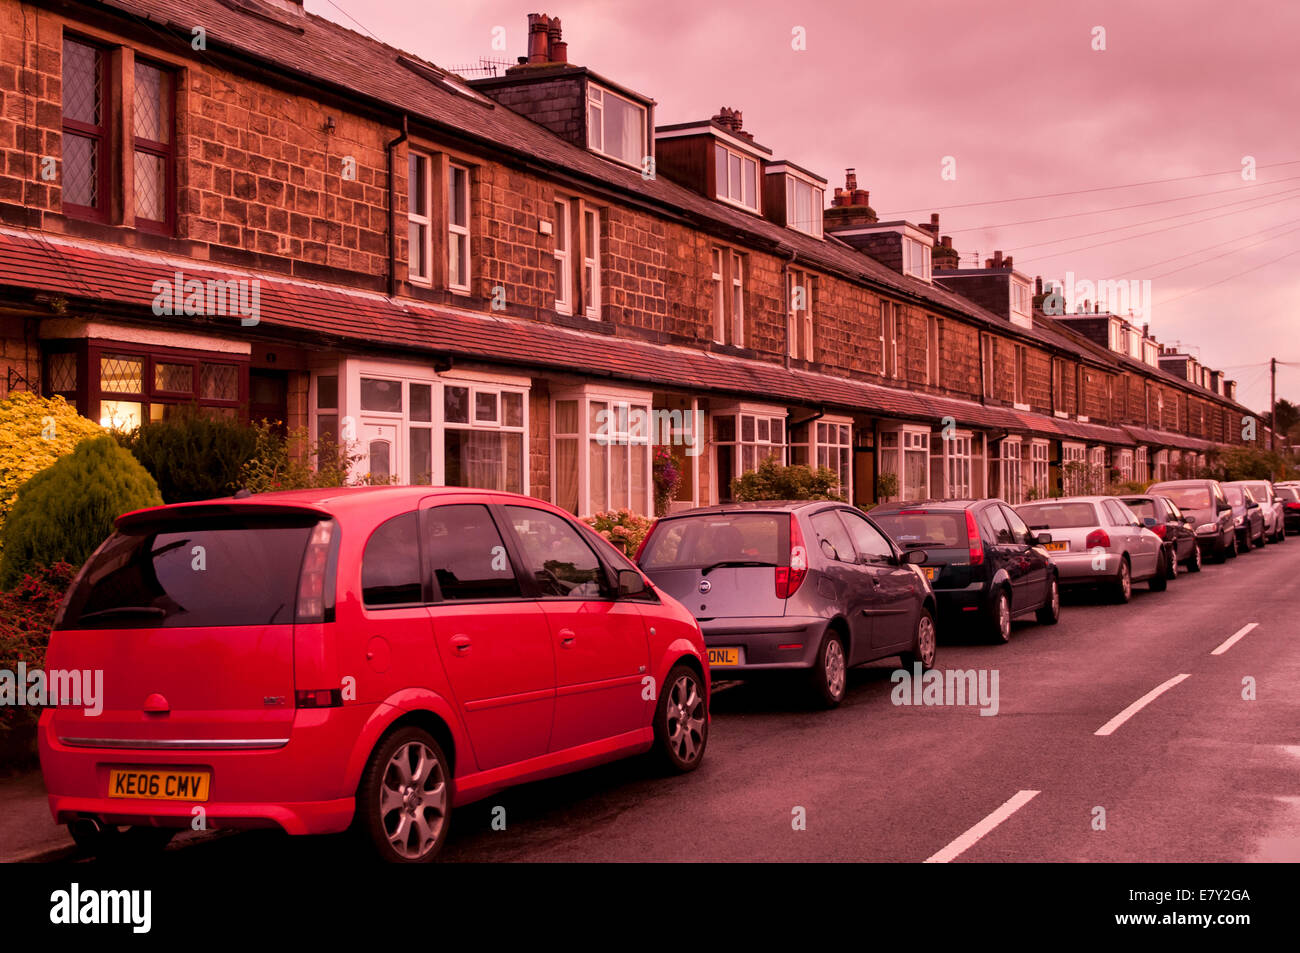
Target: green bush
(772,481)
(64,512)
(193,456)
(285,462)
(1250,463)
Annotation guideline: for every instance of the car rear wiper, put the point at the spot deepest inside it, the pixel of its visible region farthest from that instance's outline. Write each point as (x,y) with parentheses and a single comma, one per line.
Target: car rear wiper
(154,611)
(734,562)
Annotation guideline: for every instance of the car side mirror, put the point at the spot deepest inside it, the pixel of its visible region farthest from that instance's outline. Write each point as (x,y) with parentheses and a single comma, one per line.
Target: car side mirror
(1253,506)
(913,557)
(630,583)
(1224,508)
(1037,539)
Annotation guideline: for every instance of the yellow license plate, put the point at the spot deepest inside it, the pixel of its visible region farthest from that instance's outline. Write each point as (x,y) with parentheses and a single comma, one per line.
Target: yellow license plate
(930,572)
(724,656)
(1056,547)
(155,785)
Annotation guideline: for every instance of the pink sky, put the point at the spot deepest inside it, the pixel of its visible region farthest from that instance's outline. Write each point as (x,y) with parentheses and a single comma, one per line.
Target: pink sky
(1014,92)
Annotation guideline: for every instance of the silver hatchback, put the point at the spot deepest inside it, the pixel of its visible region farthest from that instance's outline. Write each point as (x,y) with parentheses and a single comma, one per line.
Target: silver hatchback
(1098,541)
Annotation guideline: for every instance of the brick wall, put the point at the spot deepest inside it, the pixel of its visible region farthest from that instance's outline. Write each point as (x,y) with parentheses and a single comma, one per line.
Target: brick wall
(19,355)
(539,439)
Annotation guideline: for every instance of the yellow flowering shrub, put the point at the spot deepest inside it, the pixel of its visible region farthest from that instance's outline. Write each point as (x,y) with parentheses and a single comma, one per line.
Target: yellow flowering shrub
(34,432)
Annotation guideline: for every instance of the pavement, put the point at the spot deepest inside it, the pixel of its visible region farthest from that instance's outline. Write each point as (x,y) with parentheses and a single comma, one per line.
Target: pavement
(1071,768)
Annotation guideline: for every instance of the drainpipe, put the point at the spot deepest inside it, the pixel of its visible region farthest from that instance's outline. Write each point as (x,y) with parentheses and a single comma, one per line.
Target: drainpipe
(789,302)
(984,397)
(392,210)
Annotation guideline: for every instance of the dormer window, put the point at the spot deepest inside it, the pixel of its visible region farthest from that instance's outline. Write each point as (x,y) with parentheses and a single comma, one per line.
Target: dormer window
(916,259)
(1021,299)
(616,126)
(737,177)
(803,206)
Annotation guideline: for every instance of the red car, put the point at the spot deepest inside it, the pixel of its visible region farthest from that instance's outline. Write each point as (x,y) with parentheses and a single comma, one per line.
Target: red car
(358,658)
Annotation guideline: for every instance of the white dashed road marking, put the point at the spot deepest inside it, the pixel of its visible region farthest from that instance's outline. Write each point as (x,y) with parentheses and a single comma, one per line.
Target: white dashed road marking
(1137,706)
(1233,639)
(969,839)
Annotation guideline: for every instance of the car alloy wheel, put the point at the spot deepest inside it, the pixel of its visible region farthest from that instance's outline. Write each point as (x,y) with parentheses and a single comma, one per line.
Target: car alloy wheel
(682,721)
(1123,583)
(1001,629)
(403,804)
(829,674)
(924,645)
(835,668)
(1050,614)
(1171,561)
(1194,561)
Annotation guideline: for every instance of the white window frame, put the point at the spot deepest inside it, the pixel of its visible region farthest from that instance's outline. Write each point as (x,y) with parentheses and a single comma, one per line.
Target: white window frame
(596,132)
(456,234)
(765,417)
(832,447)
(607,439)
(958,465)
(719,296)
(933,363)
(897,443)
(817,202)
(1072,453)
(799,323)
(591,262)
(1039,467)
(1021,392)
(1126,465)
(737,262)
(916,258)
(889,338)
(1097,469)
(1011,474)
(742,185)
(1141,469)
(563,251)
(423,219)
(482,384)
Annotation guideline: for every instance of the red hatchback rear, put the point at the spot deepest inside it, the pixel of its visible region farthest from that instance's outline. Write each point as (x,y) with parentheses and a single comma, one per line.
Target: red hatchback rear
(365,658)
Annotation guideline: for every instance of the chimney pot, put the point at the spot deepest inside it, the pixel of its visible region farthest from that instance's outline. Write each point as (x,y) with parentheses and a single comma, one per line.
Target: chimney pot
(861,196)
(539,38)
(850,180)
(946,241)
(934,219)
(559,51)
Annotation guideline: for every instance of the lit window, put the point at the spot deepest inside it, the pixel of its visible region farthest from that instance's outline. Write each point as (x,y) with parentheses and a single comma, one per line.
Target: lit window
(616,127)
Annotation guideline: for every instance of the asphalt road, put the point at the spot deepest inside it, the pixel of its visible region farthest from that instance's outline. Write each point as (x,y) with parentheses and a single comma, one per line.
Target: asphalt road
(1198,774)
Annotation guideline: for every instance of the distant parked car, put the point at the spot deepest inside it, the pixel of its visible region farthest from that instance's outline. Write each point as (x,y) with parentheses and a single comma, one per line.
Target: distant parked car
(1271,506)
(982,561)
(1098,541)
(1290,497)
(1247,517)
(1162,516)
(1204,502)
(367,658)
(810,588)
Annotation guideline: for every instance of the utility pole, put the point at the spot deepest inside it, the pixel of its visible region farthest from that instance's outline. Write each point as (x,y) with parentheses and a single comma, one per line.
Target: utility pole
(1272,402)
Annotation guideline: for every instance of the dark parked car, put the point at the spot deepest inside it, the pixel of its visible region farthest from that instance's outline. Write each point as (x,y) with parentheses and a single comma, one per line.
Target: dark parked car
(1267,498)
(1204,502)
(981,559)
(1247,516)
(812,587)
(1162,516)
(1290,497)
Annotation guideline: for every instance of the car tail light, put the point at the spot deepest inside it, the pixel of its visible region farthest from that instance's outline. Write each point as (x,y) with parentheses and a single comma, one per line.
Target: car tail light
(1097,537)
(1159,530)
(1293,505)
(912,512)
(645,539)
(318,698)
(790,578)
(313,582)
(973,537)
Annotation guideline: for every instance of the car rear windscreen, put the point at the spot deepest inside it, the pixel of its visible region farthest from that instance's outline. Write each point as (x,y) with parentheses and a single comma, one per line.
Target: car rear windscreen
(202,573)
(1187,497)
(1288,493)
(1058,515)
(925,530)
(706,540)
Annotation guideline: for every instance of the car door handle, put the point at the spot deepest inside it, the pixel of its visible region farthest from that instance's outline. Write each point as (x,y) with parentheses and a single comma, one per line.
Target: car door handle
(461,644)
(567,637)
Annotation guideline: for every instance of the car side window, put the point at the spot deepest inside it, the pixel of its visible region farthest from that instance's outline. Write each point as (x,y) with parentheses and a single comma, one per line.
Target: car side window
(869,541)
(832,537)
(998,523)
(556,556)
(1019,531)
(466,555)
(390,565)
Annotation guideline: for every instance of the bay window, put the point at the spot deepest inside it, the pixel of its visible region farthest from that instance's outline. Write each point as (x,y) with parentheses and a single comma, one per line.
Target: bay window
(1142,471)
(905,452)
(1097,476)
(1011,482)
(600,451)
(1039,467)
(744,435)
(1073,478)
(958,466)
(825,442)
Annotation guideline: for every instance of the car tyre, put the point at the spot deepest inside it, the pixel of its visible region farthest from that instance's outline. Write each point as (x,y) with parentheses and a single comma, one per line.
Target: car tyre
(999,620)
(1121,590)
(1233,549)
(1171,561)
(1160,581)
(828,678)
(925,643)
(1050,613)
(682,720)
(1194,561)
(404,798)
(1259,543)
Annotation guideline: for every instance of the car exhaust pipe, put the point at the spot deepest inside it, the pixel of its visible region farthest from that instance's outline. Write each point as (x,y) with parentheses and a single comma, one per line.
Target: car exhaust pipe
(87,826)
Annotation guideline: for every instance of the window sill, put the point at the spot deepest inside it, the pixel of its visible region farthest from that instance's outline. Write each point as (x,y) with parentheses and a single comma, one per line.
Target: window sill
(1024,407)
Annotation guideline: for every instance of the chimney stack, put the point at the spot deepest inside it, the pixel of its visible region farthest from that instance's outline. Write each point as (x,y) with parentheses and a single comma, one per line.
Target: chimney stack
(539,41)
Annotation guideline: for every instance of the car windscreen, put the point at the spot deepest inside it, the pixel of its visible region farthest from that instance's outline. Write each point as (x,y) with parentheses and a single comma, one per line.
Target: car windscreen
(694,542)
(204,573)
(1234,495)
(1058,515)
(925,530)
(1188,497)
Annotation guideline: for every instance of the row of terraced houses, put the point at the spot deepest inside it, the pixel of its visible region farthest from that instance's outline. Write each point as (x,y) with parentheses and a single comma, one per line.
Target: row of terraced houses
(520,281)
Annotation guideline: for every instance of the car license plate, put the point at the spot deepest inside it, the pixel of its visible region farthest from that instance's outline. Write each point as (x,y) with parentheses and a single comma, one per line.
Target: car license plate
(930,572)
(155,785)
(1055,547)
(724,656)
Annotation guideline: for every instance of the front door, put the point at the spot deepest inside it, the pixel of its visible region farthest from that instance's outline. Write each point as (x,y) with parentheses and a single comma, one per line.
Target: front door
(381,452)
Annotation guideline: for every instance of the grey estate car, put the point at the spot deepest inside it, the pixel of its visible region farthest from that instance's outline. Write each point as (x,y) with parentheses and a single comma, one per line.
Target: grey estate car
(805,587)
